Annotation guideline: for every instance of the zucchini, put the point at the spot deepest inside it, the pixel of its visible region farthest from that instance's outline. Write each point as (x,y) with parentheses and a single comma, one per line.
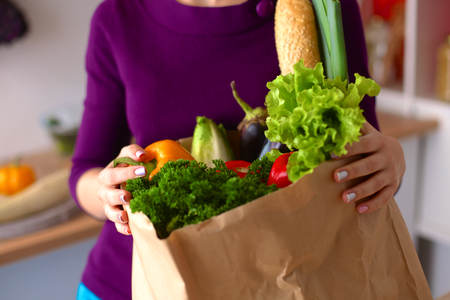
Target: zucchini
(43,194)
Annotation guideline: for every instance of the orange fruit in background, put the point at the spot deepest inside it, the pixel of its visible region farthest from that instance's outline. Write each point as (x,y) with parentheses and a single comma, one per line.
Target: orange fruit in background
(15,177)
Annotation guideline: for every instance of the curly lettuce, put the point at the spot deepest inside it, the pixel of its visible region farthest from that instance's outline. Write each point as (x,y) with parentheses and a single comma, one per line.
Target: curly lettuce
(315,116)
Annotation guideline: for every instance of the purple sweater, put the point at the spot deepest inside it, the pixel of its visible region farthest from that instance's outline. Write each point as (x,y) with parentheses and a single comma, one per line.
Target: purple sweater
(154,66)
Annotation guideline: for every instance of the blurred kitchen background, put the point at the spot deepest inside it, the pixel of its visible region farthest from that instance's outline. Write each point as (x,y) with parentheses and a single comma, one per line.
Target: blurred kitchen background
(42,88)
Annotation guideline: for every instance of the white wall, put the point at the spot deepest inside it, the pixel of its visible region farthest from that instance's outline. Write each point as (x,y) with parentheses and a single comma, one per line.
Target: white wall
(42,71)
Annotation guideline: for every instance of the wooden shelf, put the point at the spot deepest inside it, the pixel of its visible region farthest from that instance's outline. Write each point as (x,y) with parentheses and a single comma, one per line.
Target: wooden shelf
(401,127)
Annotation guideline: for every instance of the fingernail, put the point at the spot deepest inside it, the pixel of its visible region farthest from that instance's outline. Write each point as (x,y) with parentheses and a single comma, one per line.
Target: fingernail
(363,209)
(122,198)
(334,155)
(351,197)
(140,171)
(120,218)
(342,175)
(128,231)
(140,153)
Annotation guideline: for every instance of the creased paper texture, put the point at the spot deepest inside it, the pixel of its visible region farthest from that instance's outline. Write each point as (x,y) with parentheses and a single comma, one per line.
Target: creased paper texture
(301,242)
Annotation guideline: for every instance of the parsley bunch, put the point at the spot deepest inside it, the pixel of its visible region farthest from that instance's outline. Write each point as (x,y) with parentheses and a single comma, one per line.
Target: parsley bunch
(187,192)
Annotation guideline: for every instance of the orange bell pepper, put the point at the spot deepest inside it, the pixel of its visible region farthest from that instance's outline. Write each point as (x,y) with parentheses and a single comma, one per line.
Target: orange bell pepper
(166,150)
(15,177)
(158,154)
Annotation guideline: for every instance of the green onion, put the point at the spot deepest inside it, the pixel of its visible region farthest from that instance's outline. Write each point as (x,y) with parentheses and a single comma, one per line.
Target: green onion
(329,19)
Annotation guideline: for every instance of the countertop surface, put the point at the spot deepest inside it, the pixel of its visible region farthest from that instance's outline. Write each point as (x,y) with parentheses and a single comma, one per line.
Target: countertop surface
(78,228)
(82,226)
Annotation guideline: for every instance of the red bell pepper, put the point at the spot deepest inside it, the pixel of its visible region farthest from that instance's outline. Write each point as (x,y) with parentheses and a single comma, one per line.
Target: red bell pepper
(238,166)
(278,173)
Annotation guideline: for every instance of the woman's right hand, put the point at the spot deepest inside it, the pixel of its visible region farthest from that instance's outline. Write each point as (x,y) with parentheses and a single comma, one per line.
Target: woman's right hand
(110,179)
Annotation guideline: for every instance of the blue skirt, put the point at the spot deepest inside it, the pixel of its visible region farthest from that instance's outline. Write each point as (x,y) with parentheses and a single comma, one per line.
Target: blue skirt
(85,294)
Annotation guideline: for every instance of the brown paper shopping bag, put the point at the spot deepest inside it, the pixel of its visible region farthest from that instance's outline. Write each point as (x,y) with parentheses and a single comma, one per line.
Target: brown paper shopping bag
(301,242)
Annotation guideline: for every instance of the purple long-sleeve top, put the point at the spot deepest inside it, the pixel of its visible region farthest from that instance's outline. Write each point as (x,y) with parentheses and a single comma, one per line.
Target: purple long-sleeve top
(155,65)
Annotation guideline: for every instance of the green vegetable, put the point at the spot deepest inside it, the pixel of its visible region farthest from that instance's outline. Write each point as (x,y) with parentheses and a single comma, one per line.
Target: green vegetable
(331,35)
(314,115)
(210,142)
(188,192)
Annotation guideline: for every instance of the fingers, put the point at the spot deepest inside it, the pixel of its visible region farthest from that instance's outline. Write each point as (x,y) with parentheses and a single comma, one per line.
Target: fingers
(360,168)
(113,200)
(383,165)
(383,179)
(114,176)
(134,151)
(119,217)
(110,178)
(113,196)
(378,185)
(123,228)
(376,202)
(116,214)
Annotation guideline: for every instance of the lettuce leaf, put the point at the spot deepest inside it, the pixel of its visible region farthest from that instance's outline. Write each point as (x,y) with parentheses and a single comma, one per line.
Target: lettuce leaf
(315,116)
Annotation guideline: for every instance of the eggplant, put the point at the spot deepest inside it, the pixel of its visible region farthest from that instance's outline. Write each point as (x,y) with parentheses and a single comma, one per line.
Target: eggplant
(252,140)
(268,145)
(251,129)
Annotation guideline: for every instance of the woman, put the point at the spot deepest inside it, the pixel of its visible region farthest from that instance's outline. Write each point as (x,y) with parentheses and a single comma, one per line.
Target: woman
(153,66)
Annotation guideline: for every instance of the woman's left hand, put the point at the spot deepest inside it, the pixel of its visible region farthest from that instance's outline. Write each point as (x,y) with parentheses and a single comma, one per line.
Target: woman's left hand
(383,162)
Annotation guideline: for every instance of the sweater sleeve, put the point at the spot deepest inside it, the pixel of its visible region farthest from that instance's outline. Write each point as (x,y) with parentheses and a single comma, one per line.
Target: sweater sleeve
(355,46)
(103,130)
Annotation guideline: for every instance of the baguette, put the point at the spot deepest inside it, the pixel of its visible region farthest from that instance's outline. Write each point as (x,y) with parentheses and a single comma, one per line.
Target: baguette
(43,194)
(296,34)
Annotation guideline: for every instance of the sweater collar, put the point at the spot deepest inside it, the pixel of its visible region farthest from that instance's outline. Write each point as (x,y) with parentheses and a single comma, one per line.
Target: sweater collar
(205,21)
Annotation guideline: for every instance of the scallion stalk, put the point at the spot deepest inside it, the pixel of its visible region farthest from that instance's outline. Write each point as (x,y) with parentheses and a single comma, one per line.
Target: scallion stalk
(329,18)
(324,35)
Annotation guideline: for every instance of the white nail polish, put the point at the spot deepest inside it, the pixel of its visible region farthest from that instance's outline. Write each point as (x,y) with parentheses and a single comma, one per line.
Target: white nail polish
(122,198)
(342,175)
(140,153)
(120,218)
(351,197)
(140,172)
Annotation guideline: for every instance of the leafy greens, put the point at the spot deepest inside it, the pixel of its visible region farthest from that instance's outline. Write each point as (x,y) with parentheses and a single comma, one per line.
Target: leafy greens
(315,116)
(188,192)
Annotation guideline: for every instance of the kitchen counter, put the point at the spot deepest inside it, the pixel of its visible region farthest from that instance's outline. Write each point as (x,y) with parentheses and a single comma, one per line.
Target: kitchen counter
(82,226)
(78,228)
